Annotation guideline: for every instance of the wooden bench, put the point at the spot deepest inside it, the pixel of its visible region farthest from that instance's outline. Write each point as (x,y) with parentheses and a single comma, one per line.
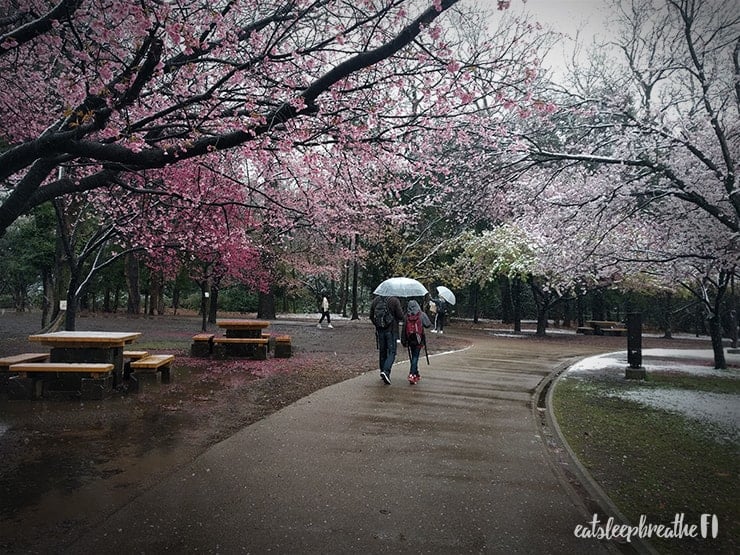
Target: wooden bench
(135,355)
(283,347)
(606,327)
(202,345)
(128,358)
(254,347)
(87,380)
(92,368)
(154,364)
(6,362)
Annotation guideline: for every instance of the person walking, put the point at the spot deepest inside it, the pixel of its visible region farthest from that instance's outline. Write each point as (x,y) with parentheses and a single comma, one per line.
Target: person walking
(439,320)
(385,314)
(414,338)
(325,313)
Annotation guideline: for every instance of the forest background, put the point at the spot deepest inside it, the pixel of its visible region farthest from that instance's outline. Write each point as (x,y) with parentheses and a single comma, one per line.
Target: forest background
(253,156)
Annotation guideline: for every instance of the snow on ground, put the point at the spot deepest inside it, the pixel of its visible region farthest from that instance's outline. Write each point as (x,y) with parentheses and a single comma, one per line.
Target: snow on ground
(721,410)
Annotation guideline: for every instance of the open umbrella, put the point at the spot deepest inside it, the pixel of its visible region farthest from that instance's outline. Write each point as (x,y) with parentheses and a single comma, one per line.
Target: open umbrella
(401,287)
(446,294)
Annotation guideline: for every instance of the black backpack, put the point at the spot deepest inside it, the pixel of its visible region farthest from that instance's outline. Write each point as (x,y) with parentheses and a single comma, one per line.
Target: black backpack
(382,317)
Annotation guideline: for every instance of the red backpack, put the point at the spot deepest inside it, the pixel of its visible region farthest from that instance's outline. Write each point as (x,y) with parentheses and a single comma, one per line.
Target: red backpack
(414,329)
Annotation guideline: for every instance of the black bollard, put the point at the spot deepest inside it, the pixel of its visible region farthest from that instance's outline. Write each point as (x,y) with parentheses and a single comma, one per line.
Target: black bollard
(635,370)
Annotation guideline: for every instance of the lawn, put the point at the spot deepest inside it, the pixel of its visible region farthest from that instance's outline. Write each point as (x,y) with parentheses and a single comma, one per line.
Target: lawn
(654,462)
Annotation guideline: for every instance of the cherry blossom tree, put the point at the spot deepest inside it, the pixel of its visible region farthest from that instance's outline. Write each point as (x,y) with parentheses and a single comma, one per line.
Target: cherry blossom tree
(110,87)
(663,127)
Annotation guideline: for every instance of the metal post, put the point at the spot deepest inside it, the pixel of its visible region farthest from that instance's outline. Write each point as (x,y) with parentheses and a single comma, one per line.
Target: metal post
(635,371)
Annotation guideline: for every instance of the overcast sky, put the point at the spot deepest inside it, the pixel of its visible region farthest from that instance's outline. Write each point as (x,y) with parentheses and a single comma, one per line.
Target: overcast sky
(568,17)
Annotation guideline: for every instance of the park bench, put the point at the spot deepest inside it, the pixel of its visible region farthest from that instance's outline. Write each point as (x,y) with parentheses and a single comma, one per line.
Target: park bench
(6,362)
(202,345)
(128,358)
(88,380)
(253,347)
(603,327)
(152,364)
(283,347)
(135,355)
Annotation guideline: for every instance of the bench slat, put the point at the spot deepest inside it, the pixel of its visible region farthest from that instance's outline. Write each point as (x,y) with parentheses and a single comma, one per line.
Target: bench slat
(135,354)
(245,340)
(5,362)
(203,337)
(94,367)
(153,361)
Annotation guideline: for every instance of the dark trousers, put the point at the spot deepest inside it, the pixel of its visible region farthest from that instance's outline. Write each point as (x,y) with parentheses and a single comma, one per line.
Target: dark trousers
(386,349)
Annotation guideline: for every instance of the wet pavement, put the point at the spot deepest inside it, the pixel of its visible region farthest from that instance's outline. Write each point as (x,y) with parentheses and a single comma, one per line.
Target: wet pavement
(456,464)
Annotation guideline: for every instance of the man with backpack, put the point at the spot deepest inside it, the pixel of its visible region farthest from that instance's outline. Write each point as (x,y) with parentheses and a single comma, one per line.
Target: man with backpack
(386,313)
(414,338)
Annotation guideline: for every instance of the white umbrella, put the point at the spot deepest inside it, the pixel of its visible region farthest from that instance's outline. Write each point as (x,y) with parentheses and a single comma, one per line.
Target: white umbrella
(446,294)
(401,287)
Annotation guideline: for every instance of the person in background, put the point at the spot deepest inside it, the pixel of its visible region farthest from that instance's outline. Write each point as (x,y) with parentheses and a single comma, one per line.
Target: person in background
(325,313)
(414,338)
(439,321)
(385,314)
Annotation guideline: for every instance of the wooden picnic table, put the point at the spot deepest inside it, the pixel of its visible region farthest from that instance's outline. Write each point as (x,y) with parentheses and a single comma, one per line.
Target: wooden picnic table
(239,327)
(88,346)
(606,327)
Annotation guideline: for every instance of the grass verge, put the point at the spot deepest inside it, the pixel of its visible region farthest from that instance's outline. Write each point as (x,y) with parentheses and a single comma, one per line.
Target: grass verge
(653,462)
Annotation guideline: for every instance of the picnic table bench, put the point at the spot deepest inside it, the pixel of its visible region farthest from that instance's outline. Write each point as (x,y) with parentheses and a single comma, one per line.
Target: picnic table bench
(152,364)
(54,379)
(202,345)
(252,347)
(7,361)
(283,348)
(603,327)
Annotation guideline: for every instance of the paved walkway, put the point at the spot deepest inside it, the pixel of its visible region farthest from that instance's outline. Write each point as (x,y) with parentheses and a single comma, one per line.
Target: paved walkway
(455,464)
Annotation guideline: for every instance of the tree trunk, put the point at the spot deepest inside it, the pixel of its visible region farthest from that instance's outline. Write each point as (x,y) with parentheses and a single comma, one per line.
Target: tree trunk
(542,301)
(667,318)
(355,278)
(541,321)
(506,301)
(266,305)
(134,287)
(343,298)
(475,294)
(516,303)
(49,301)
(205,297)
(715,332)
(597,305)
(70,316)
(155,288)
(107,300)
(213,306)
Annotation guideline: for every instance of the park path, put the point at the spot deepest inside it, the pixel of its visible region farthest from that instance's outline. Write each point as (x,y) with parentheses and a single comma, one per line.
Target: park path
(455,464)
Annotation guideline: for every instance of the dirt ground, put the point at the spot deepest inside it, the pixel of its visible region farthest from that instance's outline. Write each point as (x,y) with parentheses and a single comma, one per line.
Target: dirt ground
(67,464)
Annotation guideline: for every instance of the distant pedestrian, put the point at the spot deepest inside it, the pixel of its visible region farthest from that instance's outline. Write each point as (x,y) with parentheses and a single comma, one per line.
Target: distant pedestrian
(439,320)
(325,313)
(385,314)
(414,338)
